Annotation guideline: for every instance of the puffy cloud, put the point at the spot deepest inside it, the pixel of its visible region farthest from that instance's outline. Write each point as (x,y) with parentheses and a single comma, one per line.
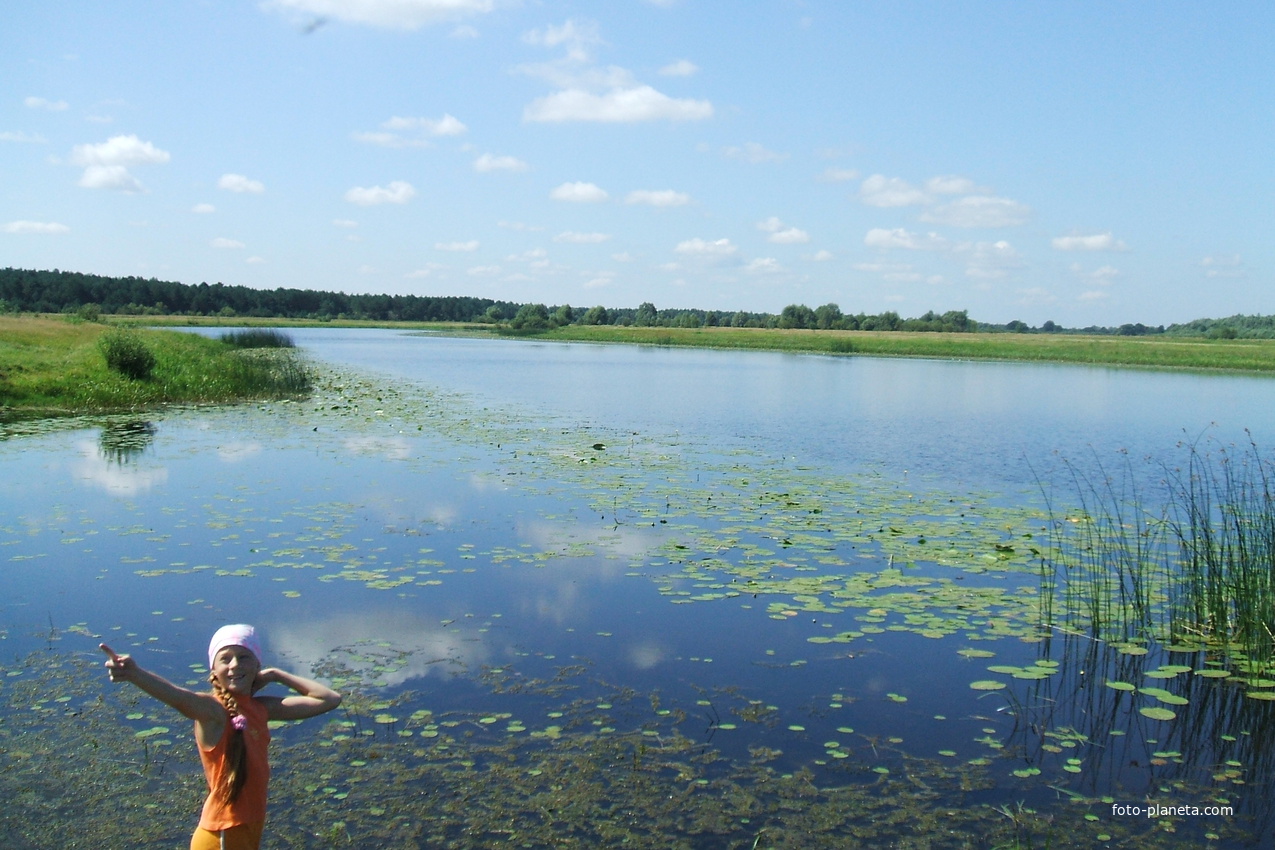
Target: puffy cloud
(222,242)
(106,164)
(620,105)
(578,36)
(448,125)
(487,163)
(240,184)
(658,198)
(579,193)
(34,227)
(392,14)
(118,150)
(575,238)
(989,260)
(782,234)
(203,209)
(680,68)
(822,256)
(399,132)
(704,248)
(979,211)
(471,245)
(879,237)
(42,103)
(881,191)
(1093,242)
(398,192)
(114,177)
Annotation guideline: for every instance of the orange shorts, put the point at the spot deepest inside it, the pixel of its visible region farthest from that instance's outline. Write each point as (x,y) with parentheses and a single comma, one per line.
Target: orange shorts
(244,837)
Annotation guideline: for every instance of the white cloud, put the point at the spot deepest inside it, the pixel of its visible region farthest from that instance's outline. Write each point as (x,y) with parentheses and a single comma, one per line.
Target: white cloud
(822,256)
(782,234)
(979,211)
(680,68)
(483,271)
(118,150)
(839,175)
(488,163)
(471,245)
(448,125)
(579,193)
(658,198)
(42,103)
(34,227)
(1092,242)
(203,209)
(764,265)
(575,238)
(701,247)
(952,185)
(344,222)
(881,191)
(400,132)
(619,105)
(753,154)
(239,183)
(1093,295)
(392,14)
(576,35)
(222,242)
(255,261)
(879,237)
(398,192)
(989,260)
(114,177)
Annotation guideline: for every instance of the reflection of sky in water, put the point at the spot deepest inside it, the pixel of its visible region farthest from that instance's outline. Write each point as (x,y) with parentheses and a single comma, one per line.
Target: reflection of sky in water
(418,562)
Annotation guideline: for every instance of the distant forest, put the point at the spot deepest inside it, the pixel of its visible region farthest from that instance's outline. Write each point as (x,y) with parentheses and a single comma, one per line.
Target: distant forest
(90,295)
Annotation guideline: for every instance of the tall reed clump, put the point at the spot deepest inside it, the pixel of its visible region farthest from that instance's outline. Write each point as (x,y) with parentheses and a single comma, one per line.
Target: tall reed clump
(1194,567)
(1223,517)
(258,338)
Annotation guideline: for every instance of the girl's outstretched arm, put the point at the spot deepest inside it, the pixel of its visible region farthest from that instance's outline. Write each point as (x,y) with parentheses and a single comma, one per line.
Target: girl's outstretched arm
(203,708)
(310,700)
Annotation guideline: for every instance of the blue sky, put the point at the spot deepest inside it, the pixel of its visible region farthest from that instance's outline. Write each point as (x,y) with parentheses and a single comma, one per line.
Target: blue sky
(1086,163)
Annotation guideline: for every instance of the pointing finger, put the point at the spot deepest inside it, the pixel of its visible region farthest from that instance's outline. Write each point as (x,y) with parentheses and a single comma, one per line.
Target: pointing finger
(109,652)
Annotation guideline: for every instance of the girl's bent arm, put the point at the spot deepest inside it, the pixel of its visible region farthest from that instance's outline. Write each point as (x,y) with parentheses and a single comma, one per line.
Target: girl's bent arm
(311,699)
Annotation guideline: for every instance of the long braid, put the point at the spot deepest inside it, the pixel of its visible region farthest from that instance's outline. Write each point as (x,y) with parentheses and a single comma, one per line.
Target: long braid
(236,752)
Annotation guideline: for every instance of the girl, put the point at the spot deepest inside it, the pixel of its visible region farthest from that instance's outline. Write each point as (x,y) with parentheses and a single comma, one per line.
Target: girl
(231,730)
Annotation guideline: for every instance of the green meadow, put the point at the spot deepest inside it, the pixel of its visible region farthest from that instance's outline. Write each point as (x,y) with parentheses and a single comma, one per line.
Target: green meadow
(51,366)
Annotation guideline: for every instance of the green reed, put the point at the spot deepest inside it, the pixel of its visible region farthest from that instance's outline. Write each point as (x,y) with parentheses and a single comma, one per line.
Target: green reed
(1191,565)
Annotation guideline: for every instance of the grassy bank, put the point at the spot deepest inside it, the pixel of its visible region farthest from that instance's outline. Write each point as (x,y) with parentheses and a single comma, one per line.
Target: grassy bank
(1146,351)
(52,367)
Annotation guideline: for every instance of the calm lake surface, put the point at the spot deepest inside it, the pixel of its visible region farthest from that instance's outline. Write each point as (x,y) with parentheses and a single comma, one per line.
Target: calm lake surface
(587,595)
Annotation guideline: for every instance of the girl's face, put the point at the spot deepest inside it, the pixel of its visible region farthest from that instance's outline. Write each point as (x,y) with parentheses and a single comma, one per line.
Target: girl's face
(236,668)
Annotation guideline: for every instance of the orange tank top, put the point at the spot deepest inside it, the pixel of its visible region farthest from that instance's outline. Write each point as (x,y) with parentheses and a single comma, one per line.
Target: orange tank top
(250,805)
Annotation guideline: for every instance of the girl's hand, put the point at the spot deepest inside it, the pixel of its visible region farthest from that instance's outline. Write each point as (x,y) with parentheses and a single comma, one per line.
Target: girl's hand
(119,667)
(265,676)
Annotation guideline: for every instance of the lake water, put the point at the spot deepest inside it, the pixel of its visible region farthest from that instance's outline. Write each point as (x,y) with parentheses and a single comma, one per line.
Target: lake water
(588,595)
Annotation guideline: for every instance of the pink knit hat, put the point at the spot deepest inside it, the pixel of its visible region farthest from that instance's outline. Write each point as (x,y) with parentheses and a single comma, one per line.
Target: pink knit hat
(237,635)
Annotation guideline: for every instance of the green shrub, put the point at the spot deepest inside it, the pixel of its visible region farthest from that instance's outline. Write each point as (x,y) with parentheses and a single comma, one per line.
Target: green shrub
(126,353)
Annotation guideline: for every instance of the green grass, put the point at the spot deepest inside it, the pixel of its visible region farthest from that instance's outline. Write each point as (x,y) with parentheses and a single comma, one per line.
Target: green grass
(54,367)
(1146,351)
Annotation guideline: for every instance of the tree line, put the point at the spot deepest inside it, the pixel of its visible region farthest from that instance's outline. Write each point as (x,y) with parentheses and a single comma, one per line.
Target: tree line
(55,291)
